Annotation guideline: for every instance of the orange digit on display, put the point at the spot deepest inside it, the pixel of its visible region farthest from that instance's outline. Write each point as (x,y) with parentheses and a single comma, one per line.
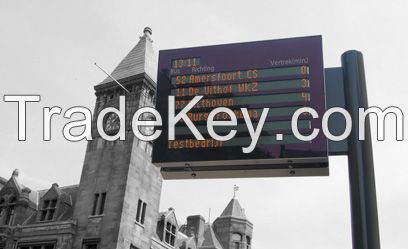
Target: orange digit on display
(305,83)
(306,96)
(304,69)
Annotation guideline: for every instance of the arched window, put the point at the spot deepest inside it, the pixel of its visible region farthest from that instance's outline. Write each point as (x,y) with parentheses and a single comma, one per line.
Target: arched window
(147,131)
(151,96)
(236,240)
(236,245)
(236,237)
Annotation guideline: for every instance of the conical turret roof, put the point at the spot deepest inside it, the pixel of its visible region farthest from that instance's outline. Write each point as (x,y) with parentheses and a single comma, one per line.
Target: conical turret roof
(234,209)
(210,239)
(141,59)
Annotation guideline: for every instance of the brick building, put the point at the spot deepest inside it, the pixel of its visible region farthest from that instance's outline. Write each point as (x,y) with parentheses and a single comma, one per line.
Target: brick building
(116,203)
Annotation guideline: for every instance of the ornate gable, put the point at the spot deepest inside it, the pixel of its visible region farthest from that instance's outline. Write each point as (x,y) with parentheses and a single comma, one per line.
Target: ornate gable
(53,193)
(12,189)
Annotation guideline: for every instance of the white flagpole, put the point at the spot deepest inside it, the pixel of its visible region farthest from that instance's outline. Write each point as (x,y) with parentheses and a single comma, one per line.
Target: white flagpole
(112,78)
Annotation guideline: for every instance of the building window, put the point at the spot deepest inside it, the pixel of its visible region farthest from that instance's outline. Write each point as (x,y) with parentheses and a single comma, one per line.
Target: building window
(99,204)
(146,146)
(142,144)
(236,237)
(102,204)
(9,215)
(141,211)
(48,209)
(236,240)
(170,234)
(248,242)
(149,148)
(1,209)
(90,244)
(7,208)
(95,204)
(37,245)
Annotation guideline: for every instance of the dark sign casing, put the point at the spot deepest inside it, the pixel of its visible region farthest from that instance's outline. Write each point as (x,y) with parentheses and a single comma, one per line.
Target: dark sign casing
(282,75)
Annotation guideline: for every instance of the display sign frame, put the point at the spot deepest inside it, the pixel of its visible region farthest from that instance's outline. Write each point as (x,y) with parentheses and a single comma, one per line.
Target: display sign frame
(282,65)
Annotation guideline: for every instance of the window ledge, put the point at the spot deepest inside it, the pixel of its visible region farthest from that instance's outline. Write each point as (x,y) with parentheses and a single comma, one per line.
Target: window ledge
(46,221)
(168,243)
(139,224)
(96,216)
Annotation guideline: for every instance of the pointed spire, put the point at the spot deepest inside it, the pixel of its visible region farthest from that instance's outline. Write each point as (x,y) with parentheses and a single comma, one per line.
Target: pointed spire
(147,32)
(15,173)
(210,239)
(141,59)
(234,209)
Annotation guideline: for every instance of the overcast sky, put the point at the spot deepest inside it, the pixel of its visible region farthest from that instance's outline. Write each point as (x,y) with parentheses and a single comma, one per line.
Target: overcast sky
(49,47)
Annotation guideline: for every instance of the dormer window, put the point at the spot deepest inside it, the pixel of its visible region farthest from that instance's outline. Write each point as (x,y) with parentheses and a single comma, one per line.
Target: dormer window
(9,215)
(2,201)
(7,207)
(170,234)
(48,210)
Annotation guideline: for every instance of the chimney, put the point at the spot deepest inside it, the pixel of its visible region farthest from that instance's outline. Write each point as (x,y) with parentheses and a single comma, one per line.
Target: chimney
(195,227)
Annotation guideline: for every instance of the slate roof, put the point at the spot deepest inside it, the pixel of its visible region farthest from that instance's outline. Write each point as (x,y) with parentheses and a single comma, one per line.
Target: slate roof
(233,209)
(141,59)
(3,182)
(13,181)
(210,239)
(181,240)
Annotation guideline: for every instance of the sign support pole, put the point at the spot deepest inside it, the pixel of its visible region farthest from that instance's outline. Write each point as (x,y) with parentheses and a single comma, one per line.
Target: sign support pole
(365,230)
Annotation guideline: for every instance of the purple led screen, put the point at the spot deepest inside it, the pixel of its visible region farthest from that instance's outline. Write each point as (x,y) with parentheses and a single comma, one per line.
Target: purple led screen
(282,75)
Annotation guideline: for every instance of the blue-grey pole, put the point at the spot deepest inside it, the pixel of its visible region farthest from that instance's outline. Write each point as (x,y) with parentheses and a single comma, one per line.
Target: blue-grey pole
(365,230)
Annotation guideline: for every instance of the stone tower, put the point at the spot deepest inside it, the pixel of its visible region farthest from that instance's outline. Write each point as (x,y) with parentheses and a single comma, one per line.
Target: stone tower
(233,228)
(119,192)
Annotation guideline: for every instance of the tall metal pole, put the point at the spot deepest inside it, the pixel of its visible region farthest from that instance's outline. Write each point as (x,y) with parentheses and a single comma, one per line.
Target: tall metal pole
(365,230)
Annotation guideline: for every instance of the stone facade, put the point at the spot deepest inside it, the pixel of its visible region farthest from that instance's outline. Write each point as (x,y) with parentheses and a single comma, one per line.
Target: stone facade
(116,204)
